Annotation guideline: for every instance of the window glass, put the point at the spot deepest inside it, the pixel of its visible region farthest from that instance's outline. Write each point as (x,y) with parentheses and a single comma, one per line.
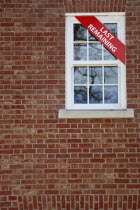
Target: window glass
(95,84)
(80,95)
(96,50)
(95,75)
(80,75)
(80,51)
(80,33)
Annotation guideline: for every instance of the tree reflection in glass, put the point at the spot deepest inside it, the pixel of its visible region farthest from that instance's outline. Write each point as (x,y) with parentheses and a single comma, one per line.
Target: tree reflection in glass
(95,51)
(80,51)
(110,74)
(97,79)
(111,94)
(108,55)
(80,75)
(95,95)
(112,27)
(95,75)
(91,37)
(80,95)
(80,33)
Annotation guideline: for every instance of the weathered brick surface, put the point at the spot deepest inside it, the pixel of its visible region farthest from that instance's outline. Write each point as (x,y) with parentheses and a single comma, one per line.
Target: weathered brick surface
(47,163)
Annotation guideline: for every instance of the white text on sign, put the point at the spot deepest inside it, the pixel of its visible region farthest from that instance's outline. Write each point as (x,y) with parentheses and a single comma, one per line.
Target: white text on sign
(103,35)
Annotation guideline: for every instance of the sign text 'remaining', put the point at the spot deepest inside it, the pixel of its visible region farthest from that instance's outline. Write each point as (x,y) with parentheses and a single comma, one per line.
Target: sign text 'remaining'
(104,36)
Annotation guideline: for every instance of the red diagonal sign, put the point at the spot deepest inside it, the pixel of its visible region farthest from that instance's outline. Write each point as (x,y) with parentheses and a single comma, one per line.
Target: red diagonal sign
(111,42)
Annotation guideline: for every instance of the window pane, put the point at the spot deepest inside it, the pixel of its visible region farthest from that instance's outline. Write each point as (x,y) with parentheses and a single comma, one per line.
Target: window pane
(108,55)
(111,94)
(95,75)
(110,74)
(95,51)
(80,52)
(112,27)
(80,75)
(80,95)
(95,95)
(80,33)
(91,37)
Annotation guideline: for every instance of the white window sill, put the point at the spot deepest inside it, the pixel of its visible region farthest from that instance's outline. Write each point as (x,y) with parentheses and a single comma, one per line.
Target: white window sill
(69,114)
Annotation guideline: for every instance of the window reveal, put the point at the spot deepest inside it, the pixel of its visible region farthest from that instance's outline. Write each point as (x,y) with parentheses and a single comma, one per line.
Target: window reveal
(95,77)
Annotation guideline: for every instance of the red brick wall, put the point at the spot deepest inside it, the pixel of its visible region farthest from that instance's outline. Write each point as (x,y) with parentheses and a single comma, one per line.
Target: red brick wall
(45,162)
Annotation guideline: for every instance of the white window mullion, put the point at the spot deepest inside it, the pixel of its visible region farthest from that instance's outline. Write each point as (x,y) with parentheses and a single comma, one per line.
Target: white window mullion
(102,52)
(88,83)
(87,69)
(72,72)
(103,82)
(87,47)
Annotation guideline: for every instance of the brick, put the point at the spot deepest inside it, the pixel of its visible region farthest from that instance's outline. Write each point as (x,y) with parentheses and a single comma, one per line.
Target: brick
(109,186)
(51,163)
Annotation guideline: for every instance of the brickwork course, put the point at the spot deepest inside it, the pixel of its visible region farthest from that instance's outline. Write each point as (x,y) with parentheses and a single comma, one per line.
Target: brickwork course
(49,163)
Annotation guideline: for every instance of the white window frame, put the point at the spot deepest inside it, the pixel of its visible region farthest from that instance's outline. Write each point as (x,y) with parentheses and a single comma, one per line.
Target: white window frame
(118,18)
